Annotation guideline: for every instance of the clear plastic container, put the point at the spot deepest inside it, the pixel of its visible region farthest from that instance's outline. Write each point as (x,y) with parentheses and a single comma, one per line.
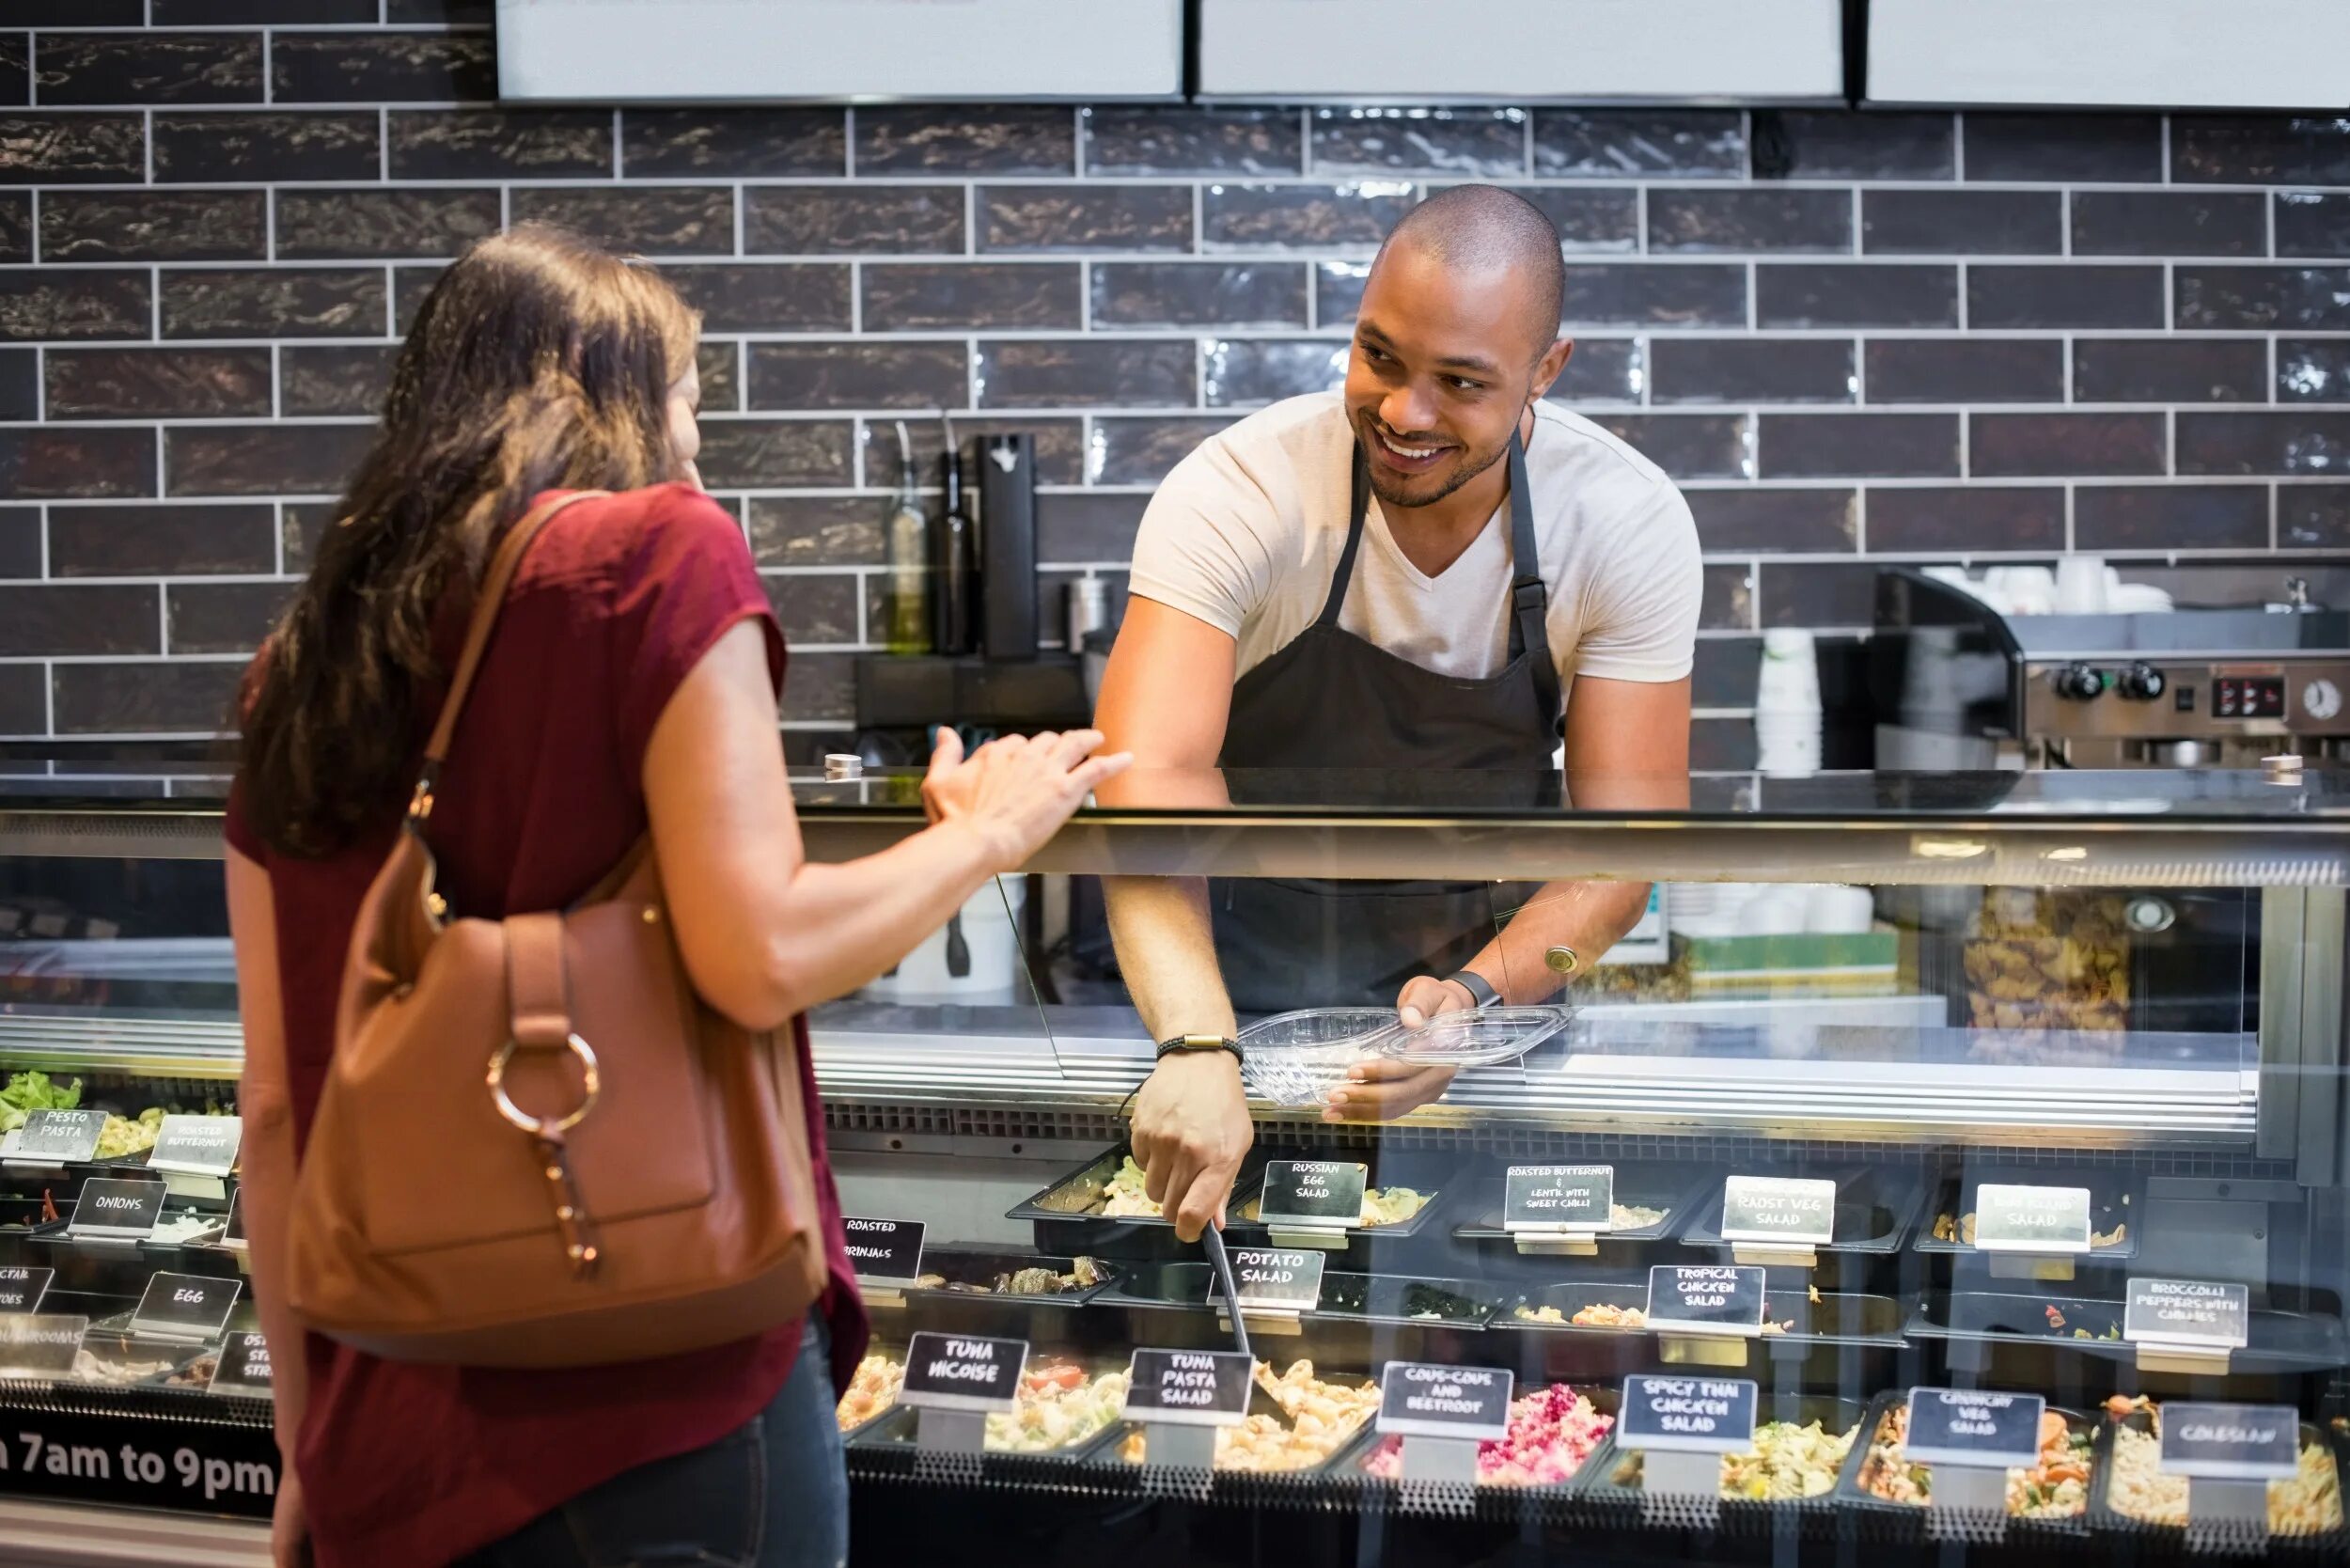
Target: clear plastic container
(1295,1059)
(1468,1038)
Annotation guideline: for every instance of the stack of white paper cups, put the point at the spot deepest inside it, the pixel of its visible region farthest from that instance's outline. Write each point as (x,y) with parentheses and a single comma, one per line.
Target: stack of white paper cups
(1787,703)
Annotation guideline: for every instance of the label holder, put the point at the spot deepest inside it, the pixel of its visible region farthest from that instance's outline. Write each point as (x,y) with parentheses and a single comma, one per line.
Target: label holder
(1179,1441)
(163,1292)
(202,1170)
(2161,1348)
(1747,1197)
(1522,1194)
(142,1198)
(1280,1313)
(1969,1498)
(64,1137)
(1440,1458)
(1688,1342)
(1334,1214)
(887,1287)
(2022,1257)
(1681,1470)
(950,1424)
(2227,1492)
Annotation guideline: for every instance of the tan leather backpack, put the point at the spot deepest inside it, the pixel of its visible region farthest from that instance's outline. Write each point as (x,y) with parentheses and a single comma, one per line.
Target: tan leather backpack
(536,1146)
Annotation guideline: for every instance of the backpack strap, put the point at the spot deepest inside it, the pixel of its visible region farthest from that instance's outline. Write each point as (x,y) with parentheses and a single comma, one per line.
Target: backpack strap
(488,600)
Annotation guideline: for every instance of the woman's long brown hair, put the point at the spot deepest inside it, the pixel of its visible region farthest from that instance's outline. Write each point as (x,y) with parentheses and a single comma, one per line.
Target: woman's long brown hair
(535,363)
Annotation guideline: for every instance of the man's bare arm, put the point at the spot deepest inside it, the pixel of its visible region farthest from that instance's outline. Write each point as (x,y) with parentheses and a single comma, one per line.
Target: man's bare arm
(1166,695)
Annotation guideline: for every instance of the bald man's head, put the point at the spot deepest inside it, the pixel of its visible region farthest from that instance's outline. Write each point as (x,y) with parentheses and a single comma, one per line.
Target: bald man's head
(1483,232)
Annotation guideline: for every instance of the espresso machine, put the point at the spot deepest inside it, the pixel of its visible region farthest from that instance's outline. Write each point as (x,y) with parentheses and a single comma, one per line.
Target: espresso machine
(1956,684)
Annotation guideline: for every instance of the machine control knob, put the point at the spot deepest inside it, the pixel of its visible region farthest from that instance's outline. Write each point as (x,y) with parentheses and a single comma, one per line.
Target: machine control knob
(2078,683)
(2321,699)
(2140,683)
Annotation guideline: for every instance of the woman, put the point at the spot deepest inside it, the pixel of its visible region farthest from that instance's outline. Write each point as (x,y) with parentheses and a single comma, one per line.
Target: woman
(633,679)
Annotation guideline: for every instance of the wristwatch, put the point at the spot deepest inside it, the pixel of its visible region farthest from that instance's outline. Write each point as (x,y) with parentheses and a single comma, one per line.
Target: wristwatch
(1188,1043)
(1473,984)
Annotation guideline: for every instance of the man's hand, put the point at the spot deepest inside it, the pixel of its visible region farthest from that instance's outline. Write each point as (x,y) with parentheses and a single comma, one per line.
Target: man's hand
(1190,1133)
(1382,1090)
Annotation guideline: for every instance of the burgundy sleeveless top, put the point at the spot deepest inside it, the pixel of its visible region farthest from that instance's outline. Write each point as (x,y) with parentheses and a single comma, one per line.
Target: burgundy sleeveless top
(615,601)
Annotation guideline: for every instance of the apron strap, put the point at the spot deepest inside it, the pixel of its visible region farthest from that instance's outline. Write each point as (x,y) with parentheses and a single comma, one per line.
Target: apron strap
(1358,505)
(1529,601)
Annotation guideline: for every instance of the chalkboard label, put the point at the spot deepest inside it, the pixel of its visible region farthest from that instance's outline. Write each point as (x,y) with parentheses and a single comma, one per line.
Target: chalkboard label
(113,1210)
(2187,1312)
(1276,1279)
(890,1249)
(197,1145)
(961,1371)
(40,1344)
(1690,1415)
(1559,1197)
(1969,1426)
(2230,1442)
(21,1289)
(1420,1398)
(186,1305)
(57,1137)
(1793,1211)
(233,1237)
(244,1368)
(1705,1299)
(2031,1219)
(1317,1193)
(1189,1387)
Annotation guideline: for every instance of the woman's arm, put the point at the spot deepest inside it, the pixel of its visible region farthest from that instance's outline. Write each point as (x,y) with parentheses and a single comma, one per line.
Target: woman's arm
(765,933)
(268,1150)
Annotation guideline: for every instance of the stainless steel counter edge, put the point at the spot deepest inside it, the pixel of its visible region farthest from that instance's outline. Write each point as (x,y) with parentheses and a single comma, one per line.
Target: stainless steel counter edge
(69,1535)
(2137,851)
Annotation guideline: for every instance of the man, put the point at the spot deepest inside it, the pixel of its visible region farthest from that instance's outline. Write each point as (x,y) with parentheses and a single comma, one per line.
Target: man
(1422,572)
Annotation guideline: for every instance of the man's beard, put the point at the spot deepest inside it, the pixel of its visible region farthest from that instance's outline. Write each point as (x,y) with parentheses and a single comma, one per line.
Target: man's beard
(1469,468)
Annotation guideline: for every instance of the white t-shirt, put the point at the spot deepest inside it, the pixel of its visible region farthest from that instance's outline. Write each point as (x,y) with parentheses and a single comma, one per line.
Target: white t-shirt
(1247,532)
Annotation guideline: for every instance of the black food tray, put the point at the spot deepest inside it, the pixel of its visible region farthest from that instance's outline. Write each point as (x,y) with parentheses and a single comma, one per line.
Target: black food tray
(1065,1228)
(973,1265)
(1836,1318)
(1645,1184)
(2112,1197)
(1850,1495)
(1835,1413)
(2328,1544)
(1365,1297)
(1105,1450)
(895,1427)
(1426,1173)
(1875,1211)
(2280,1342)
(1605,1398)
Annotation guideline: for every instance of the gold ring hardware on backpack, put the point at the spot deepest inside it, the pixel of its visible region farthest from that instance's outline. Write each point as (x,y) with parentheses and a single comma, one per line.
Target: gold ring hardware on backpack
(423,1229)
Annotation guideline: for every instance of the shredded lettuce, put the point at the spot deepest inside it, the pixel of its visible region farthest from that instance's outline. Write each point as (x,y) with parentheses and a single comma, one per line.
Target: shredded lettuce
(27,1092)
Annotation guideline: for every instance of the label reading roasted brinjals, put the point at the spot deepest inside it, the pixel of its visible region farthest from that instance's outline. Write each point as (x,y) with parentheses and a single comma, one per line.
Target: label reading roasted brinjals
(2031,1219)
(886,1249)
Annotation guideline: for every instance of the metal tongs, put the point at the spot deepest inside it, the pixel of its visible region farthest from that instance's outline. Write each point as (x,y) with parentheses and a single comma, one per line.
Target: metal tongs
(1213,1239)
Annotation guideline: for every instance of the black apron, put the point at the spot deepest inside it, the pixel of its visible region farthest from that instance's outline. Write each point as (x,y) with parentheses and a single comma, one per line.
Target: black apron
(1331,699)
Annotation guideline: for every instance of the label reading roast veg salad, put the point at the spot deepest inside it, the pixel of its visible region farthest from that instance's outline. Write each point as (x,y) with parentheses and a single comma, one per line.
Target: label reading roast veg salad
(1796,1211)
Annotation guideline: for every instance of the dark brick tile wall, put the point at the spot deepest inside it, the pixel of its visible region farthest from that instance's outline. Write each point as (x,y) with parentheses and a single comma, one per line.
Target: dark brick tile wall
(1910,336)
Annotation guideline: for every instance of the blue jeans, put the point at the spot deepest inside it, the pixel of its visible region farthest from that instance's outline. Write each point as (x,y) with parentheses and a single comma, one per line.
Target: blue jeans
(771,1493)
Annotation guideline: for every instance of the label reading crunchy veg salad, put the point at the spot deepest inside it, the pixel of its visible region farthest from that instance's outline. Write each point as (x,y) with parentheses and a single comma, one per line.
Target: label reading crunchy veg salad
(1971,1427)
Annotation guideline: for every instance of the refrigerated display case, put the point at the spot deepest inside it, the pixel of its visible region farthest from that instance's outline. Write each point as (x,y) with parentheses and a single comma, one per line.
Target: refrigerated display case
(2063,1073)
